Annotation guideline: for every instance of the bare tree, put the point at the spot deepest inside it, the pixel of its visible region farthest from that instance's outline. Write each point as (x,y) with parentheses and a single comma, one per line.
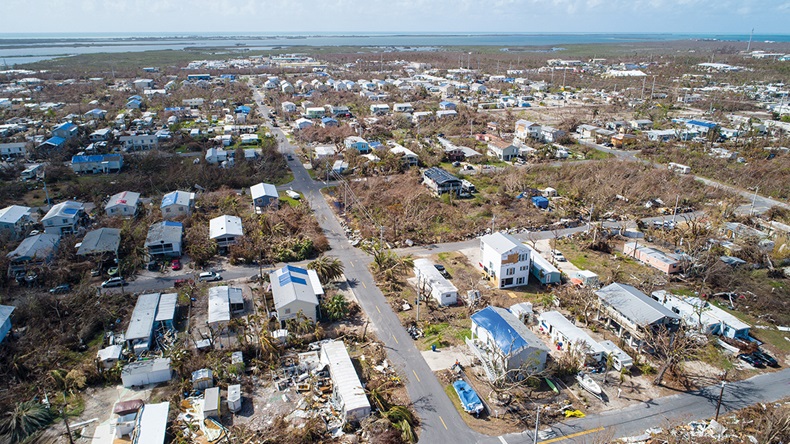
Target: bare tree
(672,348)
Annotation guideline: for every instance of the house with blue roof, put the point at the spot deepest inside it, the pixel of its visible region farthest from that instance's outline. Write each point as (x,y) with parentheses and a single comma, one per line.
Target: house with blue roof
(134,104)
(295,290)
(65,130)
(327,122)
(445,105)
(53,143)
(243,109)
(504,345)
(702,126)
(97,163)
(177,203)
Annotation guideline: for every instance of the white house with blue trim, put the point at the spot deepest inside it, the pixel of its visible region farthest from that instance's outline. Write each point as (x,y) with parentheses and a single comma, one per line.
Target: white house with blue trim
(357,143)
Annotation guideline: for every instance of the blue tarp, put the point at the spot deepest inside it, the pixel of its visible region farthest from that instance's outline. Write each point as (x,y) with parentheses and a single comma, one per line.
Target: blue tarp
(55,141)
(540,202)
(506,338)
(469,399)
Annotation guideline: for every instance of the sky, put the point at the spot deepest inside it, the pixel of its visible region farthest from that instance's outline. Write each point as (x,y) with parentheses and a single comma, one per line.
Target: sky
(355,16)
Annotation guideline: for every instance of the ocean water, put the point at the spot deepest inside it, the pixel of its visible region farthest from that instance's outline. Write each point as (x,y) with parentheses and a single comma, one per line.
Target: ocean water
(29,47)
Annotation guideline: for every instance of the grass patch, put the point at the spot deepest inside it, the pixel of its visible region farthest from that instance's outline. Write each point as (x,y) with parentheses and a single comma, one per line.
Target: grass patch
(449,390)
(772,336)
(284,198)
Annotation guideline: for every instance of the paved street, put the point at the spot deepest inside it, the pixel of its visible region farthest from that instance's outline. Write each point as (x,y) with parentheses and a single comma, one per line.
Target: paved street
(440,420)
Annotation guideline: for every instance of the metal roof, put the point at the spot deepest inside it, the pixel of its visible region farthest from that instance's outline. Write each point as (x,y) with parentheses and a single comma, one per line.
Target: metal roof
(177,198)
(426,271)
(291,284)
(100,241)
(225,226)
(344,376)
(502,242)
(439,175)
(65,209)
(152,423)
(166,311)
(39,246)
(541,262)
(12,214)
(263,190)
(219,300)
(142,322)
(148,366)
(633,304)
(129,198)
(573,333)
(5,313)
(510,334)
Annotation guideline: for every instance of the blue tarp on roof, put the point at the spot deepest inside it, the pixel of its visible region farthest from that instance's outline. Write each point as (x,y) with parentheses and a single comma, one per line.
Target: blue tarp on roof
(93,158)
(169,223)
(65,126)
(327,120)
(243,109)
(57,141)
(288,277)
(507,339)
(169,199)
(701,123)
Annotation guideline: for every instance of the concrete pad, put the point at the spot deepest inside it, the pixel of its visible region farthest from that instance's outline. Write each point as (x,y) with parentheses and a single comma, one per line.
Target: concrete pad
(444,358)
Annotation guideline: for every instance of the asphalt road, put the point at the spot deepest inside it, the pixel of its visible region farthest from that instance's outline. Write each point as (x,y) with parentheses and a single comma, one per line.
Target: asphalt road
(665,412)
(440,421)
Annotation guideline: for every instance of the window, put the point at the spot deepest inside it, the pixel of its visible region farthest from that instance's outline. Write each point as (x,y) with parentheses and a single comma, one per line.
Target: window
(65,221)
(167,210)
(523,257)
(287,311)
(510,271)
(522,268)
(520,281)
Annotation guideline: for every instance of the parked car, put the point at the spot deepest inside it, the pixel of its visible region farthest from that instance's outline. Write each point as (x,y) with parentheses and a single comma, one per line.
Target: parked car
(442,270)
(557,256)
(175,264)
(766,358)
(60,289)
(752,360)
(113,282)
(293,194)
(209,276)
(290,157)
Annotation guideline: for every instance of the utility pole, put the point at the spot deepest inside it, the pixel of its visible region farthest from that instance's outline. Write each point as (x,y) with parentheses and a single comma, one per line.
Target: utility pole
(66,419)
(537,424)
(589,221)
(564,72)
(754,199)
(721,395)
(493,218)
(653,88)
(749,46)
(644,80)
(674,213)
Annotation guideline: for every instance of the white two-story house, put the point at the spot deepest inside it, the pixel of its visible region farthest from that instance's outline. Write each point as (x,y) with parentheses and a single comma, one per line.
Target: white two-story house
(63,218)
(505,260)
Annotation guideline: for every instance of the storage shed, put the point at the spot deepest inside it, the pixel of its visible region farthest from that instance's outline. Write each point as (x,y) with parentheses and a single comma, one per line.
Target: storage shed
(234,398)
(211,406)
(544,271)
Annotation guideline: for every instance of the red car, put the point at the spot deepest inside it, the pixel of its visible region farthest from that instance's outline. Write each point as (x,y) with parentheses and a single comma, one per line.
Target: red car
(176,264)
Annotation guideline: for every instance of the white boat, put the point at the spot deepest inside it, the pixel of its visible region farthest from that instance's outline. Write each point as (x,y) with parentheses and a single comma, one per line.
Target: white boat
(588,384)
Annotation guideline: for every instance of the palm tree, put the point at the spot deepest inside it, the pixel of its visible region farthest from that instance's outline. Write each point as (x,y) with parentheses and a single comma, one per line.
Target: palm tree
(328,268)
(336,307)
(24,420)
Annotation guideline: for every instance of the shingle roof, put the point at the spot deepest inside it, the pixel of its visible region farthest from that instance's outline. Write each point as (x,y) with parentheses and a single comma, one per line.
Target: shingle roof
(124,198)
(100,241)
(39,246)
(164,232)
(439,175)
